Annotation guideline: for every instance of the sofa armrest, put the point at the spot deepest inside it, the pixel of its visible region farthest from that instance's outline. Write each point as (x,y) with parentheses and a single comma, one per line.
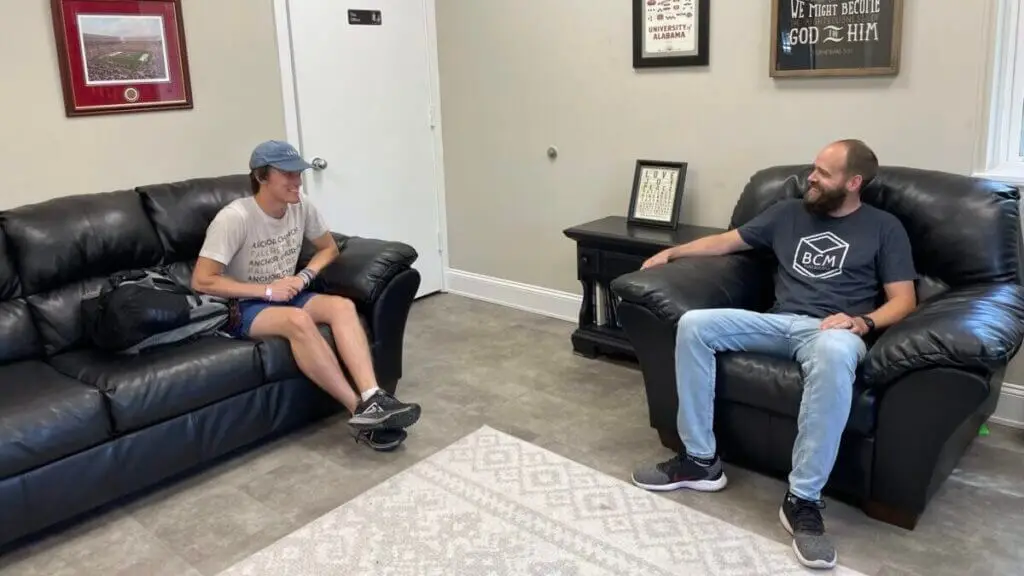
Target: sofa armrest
(741,280)
(977,328)
(364,267)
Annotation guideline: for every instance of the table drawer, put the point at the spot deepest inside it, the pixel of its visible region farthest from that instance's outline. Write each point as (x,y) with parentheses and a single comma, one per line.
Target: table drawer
(615,264)
(588,261)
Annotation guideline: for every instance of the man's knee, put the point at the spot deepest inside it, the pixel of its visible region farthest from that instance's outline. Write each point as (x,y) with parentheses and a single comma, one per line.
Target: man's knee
(838,349)
(298,323)
(693,323)
(341,309)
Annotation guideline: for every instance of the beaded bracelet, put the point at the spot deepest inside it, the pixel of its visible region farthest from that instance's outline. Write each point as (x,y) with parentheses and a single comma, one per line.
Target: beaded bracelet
(307,275)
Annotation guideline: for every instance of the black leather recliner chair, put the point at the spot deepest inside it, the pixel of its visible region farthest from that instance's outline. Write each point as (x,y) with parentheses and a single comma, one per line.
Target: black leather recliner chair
(80,428)
(926,384)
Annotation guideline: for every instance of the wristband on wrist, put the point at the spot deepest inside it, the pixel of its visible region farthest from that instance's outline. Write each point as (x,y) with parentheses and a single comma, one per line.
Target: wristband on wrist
(307,275)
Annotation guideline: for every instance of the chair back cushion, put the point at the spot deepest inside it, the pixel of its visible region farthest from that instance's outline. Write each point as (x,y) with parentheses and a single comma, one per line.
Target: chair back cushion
(63,240)
(61,247)
(963,230)
(18,336)
(182,211)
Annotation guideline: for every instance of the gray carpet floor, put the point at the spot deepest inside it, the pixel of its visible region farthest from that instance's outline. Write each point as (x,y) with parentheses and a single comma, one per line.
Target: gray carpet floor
(471,363)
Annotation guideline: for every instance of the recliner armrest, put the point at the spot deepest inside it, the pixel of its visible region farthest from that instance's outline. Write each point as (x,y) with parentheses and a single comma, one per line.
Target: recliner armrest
(976,328)
(364,267)
(742,280)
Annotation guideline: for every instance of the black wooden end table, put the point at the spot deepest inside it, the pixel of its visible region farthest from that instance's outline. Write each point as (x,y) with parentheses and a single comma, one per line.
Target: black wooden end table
(606,249)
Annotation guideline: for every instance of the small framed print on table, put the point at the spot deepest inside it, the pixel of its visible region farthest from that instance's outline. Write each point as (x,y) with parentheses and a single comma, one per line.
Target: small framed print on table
(120,56)
(670,33)
(657,193)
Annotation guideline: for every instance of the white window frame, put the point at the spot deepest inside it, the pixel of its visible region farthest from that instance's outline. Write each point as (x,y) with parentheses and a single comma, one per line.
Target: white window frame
(1003,158)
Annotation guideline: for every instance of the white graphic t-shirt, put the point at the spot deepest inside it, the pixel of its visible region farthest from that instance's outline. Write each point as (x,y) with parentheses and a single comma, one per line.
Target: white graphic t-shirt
(257,248)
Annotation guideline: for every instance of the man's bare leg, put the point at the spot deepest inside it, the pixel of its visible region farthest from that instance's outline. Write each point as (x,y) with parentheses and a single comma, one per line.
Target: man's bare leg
(350,338)
(315,358)
(317,361)
(340,314)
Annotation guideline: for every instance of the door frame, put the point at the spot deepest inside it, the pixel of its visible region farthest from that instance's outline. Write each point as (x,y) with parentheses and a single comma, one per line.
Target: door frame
(293,129)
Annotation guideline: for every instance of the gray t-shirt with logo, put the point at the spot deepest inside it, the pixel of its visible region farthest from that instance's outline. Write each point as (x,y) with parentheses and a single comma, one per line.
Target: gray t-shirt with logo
(257,248)
(830,265)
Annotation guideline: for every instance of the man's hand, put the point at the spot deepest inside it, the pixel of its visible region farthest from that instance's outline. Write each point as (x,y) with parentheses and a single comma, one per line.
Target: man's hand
(844,322)
(285,289)
(656,260)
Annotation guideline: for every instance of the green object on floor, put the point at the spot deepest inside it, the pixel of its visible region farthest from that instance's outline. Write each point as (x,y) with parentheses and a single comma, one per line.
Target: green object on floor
(984,430)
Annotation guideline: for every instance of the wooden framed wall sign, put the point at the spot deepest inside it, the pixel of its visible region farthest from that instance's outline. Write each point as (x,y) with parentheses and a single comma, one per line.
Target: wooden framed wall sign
(670,33)
(835,37)
(657,193)
(120,56)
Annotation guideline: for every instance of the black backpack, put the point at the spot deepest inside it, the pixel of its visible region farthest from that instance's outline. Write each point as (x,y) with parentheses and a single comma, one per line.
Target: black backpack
(141,309)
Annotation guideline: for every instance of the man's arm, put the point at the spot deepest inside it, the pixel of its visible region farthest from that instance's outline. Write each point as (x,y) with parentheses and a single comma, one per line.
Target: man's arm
(901,299)
(208,278)
(326,252)
(757,233)
(716,245)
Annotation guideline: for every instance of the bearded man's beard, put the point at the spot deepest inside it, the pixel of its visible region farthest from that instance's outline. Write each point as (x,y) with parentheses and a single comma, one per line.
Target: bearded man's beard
(827,200)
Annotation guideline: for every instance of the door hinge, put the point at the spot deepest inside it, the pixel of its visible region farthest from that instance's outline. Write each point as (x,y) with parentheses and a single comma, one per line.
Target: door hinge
(440,242)
(432,117)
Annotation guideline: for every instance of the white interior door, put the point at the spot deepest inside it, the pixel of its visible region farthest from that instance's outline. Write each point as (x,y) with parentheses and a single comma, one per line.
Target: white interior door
(364,99)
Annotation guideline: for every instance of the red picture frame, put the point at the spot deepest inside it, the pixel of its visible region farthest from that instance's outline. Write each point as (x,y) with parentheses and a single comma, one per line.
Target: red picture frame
(119,56)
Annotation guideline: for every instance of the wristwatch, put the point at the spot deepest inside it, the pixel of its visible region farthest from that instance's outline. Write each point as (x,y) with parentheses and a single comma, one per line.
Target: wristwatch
(871,323)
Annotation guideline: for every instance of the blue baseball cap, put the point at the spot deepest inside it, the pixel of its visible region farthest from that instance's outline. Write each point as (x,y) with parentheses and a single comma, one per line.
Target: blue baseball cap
(280,155)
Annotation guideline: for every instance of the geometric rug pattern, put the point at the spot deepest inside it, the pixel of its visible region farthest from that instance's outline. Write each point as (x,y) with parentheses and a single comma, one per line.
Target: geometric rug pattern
(492,504)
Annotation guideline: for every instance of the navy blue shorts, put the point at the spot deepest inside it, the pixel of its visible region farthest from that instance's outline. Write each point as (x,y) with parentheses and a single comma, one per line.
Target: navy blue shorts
(248,309)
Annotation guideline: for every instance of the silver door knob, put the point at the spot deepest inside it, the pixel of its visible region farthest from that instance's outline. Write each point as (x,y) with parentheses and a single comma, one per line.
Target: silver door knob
(319,163)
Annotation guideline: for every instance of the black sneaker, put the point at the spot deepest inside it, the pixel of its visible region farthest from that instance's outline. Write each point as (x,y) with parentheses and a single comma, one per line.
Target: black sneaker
(802,519)
(383,440)
(682,471)
(382,410)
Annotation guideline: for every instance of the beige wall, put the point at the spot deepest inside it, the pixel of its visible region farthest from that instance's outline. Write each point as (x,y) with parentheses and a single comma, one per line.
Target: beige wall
(517,77)
(236,89)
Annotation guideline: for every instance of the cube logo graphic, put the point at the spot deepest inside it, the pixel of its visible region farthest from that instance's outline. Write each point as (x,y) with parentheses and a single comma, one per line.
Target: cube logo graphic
(820,256)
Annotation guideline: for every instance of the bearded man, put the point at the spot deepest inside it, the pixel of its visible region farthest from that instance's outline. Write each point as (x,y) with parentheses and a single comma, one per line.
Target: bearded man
(836,257)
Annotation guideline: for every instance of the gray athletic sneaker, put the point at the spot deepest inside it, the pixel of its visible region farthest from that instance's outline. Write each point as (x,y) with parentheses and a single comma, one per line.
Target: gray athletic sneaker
(382,410)
(682,471)
(802,519)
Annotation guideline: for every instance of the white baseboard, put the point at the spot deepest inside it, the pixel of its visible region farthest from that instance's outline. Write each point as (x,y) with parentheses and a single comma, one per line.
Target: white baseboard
(566,306)
(1010,411)
(543,301)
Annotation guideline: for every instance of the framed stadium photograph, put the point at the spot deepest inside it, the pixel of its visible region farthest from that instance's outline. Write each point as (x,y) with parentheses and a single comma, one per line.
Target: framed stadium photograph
(120,56)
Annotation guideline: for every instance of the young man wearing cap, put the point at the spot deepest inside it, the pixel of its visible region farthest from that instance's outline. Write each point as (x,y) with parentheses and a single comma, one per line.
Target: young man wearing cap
(250,254)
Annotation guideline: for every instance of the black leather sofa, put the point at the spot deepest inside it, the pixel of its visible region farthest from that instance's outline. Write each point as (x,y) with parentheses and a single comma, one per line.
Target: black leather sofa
(80,428)
(926,384)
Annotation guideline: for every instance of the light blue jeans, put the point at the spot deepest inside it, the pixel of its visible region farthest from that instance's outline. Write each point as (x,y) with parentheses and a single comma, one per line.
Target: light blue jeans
(828,359)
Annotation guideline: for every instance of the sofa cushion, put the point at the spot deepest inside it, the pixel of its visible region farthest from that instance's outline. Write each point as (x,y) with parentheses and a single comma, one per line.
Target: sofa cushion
(278,361)
(182,211)
(63,240)
(19,339)
(45,416)
(58,314)
(165,381)
(10,285)
(776,385)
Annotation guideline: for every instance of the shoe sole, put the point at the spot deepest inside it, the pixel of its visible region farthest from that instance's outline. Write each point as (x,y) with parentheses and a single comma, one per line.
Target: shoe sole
(384,447)
(819,564)
(402,419)
(698,485)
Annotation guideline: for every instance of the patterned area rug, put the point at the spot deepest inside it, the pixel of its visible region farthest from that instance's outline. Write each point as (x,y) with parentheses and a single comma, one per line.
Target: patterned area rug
(491,504)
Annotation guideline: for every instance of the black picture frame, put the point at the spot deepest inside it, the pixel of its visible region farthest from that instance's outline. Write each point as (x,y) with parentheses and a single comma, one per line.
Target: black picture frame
(815,39)
(643,60)
(672,221)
